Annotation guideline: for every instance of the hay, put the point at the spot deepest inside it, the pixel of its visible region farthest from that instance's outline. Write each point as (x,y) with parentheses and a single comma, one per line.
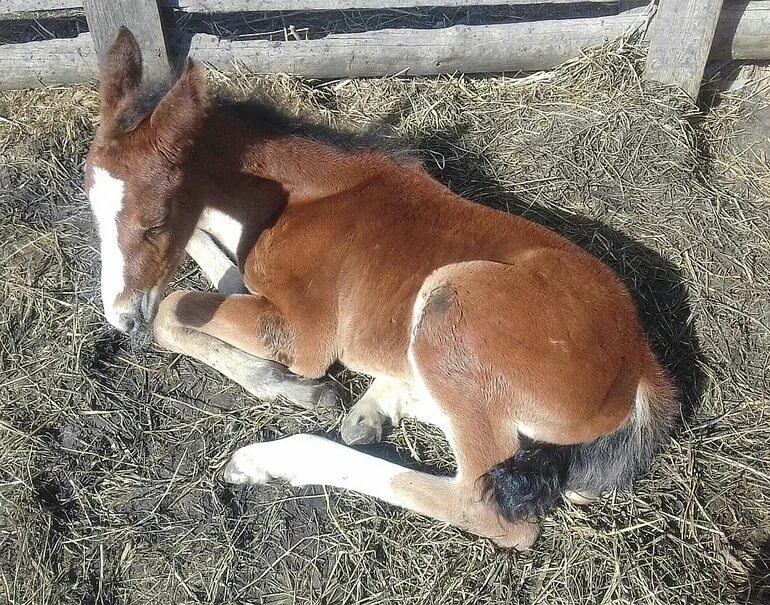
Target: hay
(109,449)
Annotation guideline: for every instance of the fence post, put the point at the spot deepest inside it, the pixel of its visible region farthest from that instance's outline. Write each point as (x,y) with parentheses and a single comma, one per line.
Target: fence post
(680,41)
(142,17)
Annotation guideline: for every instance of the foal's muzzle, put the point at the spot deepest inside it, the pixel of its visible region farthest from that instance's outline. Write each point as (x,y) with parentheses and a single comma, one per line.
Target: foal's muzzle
(129,315)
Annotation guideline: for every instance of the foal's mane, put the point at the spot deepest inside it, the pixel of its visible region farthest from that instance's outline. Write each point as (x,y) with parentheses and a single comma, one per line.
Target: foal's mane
(273,119)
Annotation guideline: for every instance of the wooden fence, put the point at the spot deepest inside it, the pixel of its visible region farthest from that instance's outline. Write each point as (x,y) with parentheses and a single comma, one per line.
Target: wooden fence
(683,35)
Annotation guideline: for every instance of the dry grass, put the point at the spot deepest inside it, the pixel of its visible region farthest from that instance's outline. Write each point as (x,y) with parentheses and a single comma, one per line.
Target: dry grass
(110,449)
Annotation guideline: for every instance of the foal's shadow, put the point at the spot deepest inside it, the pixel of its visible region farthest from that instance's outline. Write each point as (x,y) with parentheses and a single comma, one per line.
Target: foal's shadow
(656,285)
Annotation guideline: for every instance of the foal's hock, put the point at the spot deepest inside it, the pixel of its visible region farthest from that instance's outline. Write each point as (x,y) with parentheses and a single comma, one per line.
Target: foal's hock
(525,350)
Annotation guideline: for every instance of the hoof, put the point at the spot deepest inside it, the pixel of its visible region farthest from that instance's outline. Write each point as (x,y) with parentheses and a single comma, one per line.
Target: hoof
(358,429)
(329,394)
(580,498)
(312,394)
(244,468)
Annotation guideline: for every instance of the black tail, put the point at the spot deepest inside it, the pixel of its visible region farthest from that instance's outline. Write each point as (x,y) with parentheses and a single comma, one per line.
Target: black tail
(532,481)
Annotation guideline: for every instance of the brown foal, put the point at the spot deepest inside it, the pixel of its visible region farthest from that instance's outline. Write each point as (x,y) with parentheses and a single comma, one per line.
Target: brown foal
(525,350)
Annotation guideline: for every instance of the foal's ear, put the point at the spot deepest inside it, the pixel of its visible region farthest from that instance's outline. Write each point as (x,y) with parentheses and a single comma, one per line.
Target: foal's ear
(120,72)
(179,116)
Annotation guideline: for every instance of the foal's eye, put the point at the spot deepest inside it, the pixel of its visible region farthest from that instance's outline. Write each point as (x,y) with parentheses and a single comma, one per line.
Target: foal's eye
(153,232)
(159,225)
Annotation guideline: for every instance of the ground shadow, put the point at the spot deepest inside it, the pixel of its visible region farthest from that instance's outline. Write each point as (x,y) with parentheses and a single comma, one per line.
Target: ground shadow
(757,589)
(655,283)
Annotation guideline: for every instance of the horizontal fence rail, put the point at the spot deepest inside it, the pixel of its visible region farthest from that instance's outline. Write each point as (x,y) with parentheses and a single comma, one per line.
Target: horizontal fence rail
(217,6)
(680,41)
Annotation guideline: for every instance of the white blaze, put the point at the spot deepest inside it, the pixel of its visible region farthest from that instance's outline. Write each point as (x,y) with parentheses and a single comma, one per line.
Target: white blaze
(106,198)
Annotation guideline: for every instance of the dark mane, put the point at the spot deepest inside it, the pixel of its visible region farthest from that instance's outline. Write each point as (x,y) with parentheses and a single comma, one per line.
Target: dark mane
(271,118)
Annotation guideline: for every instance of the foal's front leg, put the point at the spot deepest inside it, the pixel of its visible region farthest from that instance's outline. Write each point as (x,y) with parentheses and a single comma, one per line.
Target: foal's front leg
(239,336)
(383,405)
(221,272)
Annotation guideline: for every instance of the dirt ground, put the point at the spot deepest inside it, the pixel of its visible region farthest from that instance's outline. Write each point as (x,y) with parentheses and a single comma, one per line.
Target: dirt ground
(110,448)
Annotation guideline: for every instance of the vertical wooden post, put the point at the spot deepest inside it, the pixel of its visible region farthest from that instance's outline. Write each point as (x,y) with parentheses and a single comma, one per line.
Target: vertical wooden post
(680,41)
(142,17)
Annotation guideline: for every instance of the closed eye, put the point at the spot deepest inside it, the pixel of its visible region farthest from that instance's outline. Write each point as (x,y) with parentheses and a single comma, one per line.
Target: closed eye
(159,227)
(154,231)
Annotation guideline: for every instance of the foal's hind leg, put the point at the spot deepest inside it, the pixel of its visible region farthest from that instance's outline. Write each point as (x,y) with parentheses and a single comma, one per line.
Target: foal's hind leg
(190,323)
(311,460)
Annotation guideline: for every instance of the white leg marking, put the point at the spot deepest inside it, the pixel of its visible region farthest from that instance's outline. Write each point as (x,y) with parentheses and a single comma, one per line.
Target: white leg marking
(312,460)
(223,228)
(388,396)
(215,264)
(106,198)
(386,402)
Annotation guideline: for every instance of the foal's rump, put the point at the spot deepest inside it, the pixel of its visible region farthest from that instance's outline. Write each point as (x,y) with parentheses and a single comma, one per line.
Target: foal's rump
(545,353)
(532,480)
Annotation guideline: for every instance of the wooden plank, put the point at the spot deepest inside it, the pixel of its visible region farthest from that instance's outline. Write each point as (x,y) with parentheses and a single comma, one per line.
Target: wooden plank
(473,49)
(48,63)
(680,42)
(142,17)
(216,6)
(743,32)
(73,61)
(28,6)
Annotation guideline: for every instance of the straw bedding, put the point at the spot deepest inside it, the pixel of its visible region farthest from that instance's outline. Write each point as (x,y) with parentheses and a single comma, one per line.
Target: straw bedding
(110,449)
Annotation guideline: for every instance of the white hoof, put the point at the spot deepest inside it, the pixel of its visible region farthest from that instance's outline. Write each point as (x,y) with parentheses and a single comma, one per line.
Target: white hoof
(246,467)
(580,498)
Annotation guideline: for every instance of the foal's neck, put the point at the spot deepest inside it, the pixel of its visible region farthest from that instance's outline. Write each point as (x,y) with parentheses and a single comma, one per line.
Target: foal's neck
(244,174)
(304,166)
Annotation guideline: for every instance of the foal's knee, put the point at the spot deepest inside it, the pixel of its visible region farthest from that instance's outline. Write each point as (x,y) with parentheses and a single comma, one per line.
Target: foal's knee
(166,324)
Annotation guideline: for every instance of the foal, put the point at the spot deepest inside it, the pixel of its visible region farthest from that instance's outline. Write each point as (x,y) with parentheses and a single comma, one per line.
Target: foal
(526,351)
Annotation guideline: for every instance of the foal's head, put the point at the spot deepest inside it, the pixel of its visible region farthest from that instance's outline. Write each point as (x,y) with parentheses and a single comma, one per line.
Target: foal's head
(134,177)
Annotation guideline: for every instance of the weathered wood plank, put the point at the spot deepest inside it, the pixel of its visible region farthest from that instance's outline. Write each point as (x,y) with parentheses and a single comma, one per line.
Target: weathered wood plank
(142,17)
(216,6)
(680,42)
(48,63)
(72,60)
(480,48)
(472,49)
(743,32)
(8,7)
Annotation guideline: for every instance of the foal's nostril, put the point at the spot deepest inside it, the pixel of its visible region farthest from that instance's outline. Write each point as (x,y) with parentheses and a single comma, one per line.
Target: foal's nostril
(127,322)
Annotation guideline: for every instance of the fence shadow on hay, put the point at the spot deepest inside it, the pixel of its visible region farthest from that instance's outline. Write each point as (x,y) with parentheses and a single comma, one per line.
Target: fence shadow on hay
(656,284)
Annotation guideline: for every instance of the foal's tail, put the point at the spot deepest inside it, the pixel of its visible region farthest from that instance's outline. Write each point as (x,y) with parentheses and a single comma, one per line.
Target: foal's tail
(532,481)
